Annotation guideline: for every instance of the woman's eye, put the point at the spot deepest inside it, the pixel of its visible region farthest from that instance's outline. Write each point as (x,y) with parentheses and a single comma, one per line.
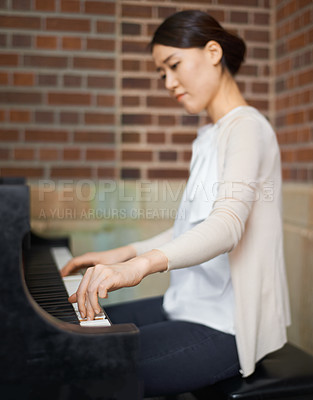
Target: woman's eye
(163,77)
(174,66)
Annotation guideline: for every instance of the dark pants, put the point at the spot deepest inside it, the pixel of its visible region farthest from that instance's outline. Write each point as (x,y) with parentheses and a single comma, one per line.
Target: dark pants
(176,356)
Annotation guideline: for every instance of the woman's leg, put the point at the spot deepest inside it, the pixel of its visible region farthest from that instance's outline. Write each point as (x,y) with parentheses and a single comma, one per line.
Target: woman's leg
(139,312)
(176,356)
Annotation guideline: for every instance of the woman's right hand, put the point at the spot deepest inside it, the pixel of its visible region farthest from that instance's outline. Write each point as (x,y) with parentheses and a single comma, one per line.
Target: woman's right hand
(100,257)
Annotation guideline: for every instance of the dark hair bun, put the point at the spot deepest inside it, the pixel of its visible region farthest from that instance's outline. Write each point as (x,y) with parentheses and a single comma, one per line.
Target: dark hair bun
(194,28)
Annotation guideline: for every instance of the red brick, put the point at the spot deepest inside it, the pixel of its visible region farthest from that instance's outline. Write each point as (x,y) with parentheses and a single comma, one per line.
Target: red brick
(67,117)
(130,173)
(257,36)
(131,65)
(240,17)
(168,155)
(68,24)
(4,154)
(131,29)
(183,137)
(46,117)
(41,135)
(106,172)
(166,120)
(46,42)
(156,137)
(99,118)
(105,27)
(21,5)
(103,82)
(24,154)
(19,22)
(72,154)
(71,43)
(45,61)
(49,154)
(72,80)
(168,173)
(2,115)
(71,172)
(163,102)
(27,172)
(8,60)
(69,98)
(261,18)
(45,5)
(19,116)
(100,154)
(187,155)
(136,119)
(164,12)
(100,7)
(21,40)
(47,80)
(4,78)
(101,44)
(134,47)
(23,79)
(305,154)
(105,100)
(129,10)
(8,135)
(94,63)
(20,97)
(93,137)
(130,101)
(136,83)
(136,155)
(130,137)
(70,5)
(306,77)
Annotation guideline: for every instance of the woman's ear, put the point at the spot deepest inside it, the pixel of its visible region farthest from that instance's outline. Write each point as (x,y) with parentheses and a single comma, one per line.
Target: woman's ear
(214,51)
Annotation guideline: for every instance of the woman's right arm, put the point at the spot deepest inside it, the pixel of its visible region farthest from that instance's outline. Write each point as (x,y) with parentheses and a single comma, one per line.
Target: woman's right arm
(117,255)
(107,257)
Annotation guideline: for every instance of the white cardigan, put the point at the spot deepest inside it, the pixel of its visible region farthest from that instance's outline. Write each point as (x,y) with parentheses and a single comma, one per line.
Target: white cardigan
(246,223)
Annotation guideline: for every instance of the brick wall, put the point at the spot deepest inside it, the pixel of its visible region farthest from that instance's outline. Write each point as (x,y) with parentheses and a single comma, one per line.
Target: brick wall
(294,87)
(80,97)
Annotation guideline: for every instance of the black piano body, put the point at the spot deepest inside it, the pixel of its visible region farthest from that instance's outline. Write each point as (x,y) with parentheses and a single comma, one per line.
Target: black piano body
(42,357)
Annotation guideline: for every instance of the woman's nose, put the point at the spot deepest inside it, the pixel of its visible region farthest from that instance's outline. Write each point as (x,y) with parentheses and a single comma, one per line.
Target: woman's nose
(170,81)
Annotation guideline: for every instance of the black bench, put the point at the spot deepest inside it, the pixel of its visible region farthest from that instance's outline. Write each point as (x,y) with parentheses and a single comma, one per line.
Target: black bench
(286,374)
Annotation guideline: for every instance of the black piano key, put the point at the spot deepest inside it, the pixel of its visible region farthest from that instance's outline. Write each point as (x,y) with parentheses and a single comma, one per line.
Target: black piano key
(46,285)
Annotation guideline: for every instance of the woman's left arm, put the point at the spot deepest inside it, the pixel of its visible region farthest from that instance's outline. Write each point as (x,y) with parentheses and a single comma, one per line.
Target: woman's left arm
(101,279)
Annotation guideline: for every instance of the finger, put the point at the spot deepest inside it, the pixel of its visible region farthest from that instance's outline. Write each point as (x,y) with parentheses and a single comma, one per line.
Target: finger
(76,263)
(73,298)
(81,292)
(93,288)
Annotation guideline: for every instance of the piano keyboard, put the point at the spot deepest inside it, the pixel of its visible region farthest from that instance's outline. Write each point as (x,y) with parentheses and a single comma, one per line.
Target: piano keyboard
(61,256)
(50,290)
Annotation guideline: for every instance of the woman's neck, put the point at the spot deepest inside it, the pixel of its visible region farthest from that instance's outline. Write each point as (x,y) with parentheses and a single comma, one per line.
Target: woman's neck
(227,98)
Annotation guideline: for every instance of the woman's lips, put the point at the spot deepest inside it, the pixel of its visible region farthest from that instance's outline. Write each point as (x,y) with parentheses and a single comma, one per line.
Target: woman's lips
(180,96)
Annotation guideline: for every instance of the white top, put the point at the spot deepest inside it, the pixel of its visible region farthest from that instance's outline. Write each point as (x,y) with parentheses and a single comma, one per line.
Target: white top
(203,293)
(245,222)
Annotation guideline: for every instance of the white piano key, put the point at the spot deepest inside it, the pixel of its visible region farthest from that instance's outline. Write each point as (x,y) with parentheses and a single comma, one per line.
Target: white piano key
(61,256)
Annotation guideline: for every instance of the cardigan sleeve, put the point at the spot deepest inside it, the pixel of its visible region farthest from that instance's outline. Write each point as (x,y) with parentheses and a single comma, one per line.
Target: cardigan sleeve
(237,189)
(148,244)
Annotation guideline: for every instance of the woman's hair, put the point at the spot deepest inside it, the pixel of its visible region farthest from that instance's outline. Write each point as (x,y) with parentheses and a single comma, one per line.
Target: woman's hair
(194,28)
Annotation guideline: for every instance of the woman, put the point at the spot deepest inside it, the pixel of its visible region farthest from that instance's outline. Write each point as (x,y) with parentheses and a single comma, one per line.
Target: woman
(227,304)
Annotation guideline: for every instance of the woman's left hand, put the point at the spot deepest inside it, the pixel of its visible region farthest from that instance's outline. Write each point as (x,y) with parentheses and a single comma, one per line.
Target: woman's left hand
(101,279)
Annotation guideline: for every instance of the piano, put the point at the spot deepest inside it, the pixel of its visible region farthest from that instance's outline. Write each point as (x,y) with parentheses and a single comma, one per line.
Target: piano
(47,351)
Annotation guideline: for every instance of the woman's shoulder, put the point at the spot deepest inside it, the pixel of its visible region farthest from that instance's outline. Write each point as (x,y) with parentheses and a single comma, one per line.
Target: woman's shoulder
(246,120)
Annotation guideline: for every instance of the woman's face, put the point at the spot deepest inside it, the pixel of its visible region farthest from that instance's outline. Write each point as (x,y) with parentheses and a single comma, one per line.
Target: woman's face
(191,75)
